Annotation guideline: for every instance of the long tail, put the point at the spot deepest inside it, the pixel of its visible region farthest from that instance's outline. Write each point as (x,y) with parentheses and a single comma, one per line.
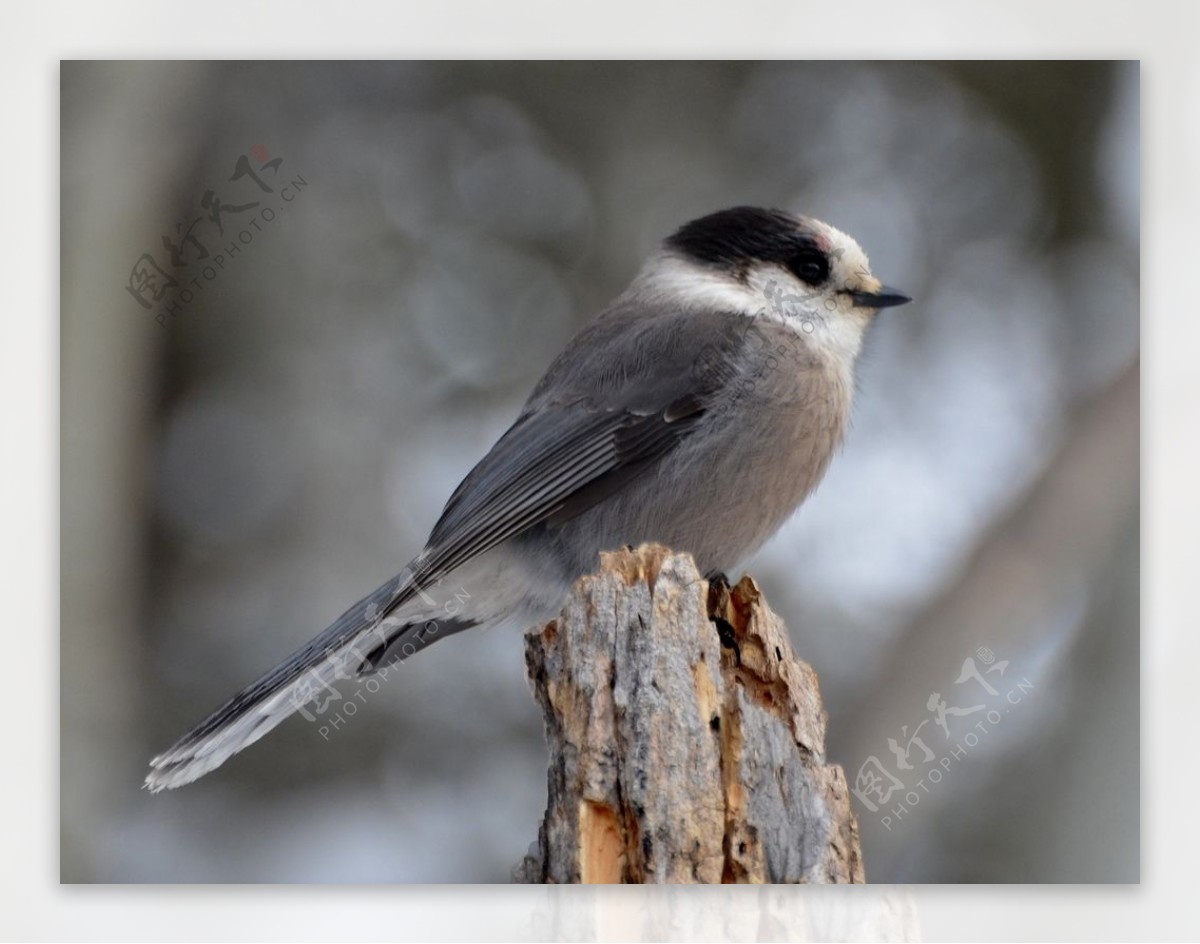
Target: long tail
(362,639)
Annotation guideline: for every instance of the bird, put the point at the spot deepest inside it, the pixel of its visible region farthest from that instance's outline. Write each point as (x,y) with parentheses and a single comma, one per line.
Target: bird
(698,410)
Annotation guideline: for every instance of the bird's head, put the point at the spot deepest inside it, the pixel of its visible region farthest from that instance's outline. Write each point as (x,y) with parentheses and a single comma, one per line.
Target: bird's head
(792,270)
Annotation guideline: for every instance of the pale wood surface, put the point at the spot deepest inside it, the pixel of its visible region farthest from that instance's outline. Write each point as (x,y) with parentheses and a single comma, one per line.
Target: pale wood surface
(687,742)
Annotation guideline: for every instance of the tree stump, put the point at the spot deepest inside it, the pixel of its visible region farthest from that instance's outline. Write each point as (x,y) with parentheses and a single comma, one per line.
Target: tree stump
(687,742)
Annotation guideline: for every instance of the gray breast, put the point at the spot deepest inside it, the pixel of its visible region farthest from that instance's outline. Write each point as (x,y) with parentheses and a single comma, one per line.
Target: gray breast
(733,482)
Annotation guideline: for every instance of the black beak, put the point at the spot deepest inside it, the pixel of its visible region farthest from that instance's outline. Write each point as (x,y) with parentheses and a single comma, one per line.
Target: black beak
(886,297)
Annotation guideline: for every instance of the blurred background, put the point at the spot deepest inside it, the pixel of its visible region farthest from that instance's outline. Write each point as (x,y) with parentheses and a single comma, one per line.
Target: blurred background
(246,453)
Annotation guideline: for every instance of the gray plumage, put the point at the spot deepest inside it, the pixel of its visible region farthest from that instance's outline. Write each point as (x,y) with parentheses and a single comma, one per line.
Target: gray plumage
(696,411)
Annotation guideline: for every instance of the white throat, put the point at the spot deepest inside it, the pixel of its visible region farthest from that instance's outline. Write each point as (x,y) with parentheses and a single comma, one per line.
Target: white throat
(835,331)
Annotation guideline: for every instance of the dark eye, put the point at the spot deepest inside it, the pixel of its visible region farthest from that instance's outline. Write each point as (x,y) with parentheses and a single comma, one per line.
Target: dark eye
(810,266)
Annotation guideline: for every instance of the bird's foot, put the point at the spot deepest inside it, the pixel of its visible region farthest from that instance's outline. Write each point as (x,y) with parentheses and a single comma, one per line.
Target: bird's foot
(718,601)
(717,578)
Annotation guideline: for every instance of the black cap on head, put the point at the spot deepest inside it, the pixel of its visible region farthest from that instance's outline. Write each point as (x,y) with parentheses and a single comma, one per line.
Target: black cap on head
(734,239)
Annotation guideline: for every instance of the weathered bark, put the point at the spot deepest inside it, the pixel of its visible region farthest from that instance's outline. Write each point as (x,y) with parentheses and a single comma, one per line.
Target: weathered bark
(687,743)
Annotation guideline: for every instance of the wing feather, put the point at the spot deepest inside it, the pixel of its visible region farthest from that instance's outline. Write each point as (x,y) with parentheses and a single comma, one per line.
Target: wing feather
(561,457)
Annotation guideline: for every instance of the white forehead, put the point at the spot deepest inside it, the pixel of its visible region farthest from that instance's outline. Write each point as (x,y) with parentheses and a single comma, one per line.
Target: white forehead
(848,264)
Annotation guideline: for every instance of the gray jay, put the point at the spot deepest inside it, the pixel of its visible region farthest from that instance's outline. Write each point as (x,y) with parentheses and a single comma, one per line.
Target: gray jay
(698,410)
